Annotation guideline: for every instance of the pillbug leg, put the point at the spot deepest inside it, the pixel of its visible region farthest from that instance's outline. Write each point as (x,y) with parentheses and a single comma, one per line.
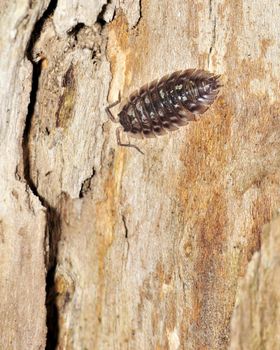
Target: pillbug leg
(109,113)
(118,130)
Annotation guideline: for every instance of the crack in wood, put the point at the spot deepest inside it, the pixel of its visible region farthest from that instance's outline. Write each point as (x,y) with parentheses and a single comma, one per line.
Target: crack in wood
(210,8)
(125,227)
(86,185)
(37,67)
(126,251)
(101,17)
(75,30)
(213,40)
(53,217)
(140,14)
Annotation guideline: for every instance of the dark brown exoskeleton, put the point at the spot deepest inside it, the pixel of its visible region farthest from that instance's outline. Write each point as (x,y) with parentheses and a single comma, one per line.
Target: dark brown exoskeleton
(166,104)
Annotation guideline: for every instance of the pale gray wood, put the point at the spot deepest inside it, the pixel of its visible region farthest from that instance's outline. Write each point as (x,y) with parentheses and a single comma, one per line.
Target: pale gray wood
(22,217)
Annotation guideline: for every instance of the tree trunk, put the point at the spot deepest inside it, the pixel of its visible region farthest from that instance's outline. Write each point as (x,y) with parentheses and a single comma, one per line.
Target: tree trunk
(104,248)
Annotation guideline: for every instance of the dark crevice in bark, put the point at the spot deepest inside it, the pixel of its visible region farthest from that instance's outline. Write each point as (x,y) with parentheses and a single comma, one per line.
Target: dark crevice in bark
(126,237)
(75,30)
(86,185)
(38,28)
(37,67)
(125,226)
(53,235)
(140,11)
(53,217)
(101,17)
(213,41)
(140,14)
(210,8)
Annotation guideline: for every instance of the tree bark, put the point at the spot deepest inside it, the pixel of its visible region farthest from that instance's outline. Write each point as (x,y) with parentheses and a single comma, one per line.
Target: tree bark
(256,318)
(102,247)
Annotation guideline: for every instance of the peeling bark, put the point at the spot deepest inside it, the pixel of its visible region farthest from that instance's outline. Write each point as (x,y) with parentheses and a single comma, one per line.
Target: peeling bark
(102,247)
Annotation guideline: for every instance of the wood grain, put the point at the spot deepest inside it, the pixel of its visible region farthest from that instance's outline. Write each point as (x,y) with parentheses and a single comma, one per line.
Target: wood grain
(141,252)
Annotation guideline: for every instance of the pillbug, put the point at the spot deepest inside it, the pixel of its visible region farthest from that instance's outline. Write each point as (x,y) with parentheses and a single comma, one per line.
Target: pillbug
(166,104)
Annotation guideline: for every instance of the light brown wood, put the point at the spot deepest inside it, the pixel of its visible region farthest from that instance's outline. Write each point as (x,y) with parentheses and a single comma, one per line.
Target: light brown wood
(135,252)
(256,318)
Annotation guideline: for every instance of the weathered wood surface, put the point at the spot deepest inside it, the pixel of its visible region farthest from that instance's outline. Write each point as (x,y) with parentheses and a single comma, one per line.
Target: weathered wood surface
(256,317)
(22,217)
(142,252)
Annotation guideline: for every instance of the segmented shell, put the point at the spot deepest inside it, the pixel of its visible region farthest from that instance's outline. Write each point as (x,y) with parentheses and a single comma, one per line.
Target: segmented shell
(169,103)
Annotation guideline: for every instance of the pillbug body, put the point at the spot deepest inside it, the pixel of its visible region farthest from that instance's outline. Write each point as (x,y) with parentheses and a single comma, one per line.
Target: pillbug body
(166,104)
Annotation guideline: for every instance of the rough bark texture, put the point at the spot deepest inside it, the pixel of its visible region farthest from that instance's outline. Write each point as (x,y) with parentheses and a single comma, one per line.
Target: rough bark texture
(136,252)
(256,317)
(22,217)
